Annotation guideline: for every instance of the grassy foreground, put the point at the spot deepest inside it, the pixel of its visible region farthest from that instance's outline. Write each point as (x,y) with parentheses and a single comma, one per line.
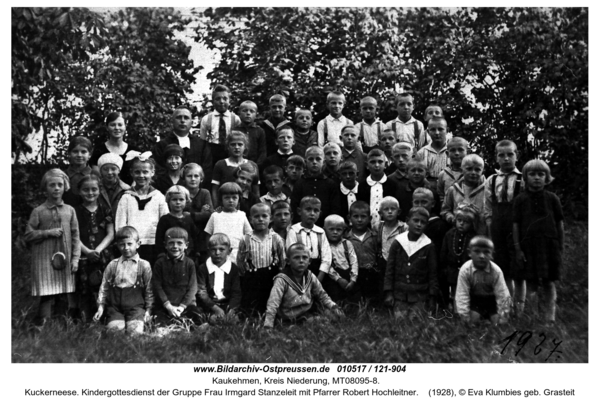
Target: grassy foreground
(368,336)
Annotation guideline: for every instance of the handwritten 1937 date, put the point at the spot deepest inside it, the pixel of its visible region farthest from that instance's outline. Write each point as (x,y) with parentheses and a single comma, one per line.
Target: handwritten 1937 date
(526,337)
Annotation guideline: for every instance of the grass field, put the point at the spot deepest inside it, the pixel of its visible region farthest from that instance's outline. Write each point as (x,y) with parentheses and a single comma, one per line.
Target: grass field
(368,336)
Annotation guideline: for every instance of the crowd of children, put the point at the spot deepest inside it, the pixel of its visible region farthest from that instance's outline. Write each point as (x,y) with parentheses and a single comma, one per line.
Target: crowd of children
(281,219)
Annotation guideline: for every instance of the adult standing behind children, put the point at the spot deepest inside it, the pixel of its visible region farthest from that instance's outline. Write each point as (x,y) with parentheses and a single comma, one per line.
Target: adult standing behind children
(116,128)
(215,126)
(406,127)
(195,149)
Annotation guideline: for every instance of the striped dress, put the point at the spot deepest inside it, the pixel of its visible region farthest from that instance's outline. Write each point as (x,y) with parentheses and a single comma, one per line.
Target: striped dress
(44,279)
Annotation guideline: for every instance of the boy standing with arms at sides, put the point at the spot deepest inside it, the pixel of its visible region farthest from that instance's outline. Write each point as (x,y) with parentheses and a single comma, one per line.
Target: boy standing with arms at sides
(329,128)
(376,185)
(435,154)
(333,158)
(387,230)
(314,183)
(387,140)
(411,283)
(402,152)
(470,189)
(350,151)
(285,141)
(294,169)
(500,191)
(348,188)
(457,150)
(304,136)
(217,125)
(273,180)
(370,128)
(174,280)
(282,218)
(343,274)
(311,236)
(276,120)
(257,146)
(416,178)
(481,291)
(364,240)
(126,290)
(406,127)
(295,289)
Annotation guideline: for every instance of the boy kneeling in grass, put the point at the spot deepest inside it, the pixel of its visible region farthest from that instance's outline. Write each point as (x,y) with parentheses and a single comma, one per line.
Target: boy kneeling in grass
(481,292)
(294,289)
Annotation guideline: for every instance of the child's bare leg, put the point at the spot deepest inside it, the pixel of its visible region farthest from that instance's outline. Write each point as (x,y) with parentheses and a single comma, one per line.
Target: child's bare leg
(117,324)
(135,326)
(532,297)
(519,294)
(549,301)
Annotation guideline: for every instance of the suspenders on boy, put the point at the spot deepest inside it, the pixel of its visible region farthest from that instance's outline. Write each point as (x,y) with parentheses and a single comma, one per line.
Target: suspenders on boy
(325,129)
(419,143)
(361,135)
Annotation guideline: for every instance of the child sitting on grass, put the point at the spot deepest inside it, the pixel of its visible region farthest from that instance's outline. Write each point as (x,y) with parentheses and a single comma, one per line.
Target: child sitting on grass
(481,292)
(411,283)
(174,281)
(295,289)
(126,290)
(260,257)
(343,273)
(219,291)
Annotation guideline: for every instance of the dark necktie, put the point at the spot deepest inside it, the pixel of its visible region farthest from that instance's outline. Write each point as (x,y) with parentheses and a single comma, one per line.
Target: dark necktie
(222,130)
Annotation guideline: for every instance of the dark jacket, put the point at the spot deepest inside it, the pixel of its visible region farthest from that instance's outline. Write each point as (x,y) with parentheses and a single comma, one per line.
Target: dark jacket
(232,291)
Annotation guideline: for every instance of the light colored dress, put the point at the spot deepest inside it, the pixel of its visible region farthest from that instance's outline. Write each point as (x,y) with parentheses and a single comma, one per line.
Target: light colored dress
(44,279)
(233,224)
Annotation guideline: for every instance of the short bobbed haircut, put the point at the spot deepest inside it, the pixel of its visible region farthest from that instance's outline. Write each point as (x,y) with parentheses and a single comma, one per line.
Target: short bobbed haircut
(55,173)
(177,190)
(537,165)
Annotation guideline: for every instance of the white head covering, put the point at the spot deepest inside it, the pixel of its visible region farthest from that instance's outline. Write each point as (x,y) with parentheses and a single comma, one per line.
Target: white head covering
(112,158)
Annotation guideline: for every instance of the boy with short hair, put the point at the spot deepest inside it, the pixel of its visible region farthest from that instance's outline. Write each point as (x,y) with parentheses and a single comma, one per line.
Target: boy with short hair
(481,291)
(174,280)
(273,180)
(411,282)
(364,240)
(348,188)
(389,227)
(402,152)
(285,141)
(276,120)
(405,126)
(333,157)
(457,149)
(218,124)
(219,290)
(282,218)
(295,289)
(500,191)
(470,189)
(343,273)
(387,140)
(294,169)
(312,236)
(351,152)
(126,289)
(376,186)
(303,134)
(314,183)
(256,149)
(435,154)
(370,128)
(329,128)
(416,178)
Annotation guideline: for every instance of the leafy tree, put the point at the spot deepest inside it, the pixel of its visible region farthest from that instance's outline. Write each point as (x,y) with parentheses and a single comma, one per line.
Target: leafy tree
(518,73)
(45,42)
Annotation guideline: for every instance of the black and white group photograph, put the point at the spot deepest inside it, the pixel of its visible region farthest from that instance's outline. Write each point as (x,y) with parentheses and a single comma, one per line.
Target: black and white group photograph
(365,185)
